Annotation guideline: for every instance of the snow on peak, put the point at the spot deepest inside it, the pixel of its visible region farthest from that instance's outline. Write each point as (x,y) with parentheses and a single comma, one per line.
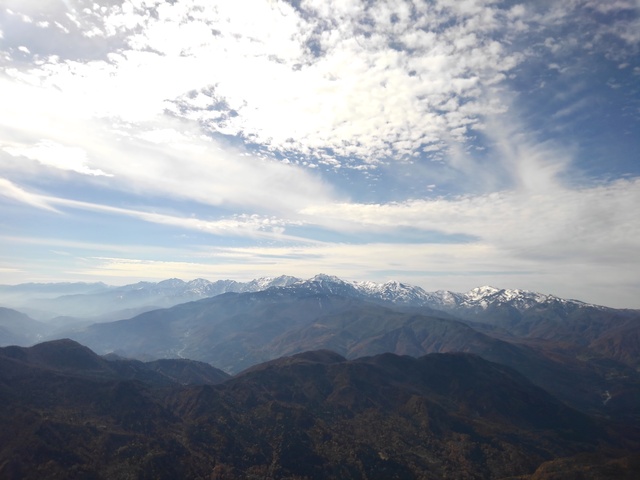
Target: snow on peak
(483,297)
(322,277)
(445,298)
(199,286)
(262,282)
(396,286)
(171,283)
(487,296)
(481,292)
(393,291)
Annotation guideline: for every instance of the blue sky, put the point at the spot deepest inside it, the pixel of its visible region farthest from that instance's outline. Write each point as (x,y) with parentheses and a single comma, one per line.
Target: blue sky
(447,144)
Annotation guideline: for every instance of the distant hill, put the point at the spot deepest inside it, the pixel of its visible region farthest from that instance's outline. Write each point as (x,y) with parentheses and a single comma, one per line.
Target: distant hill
(69,358)
(312,415)
(83,301)
(17,328)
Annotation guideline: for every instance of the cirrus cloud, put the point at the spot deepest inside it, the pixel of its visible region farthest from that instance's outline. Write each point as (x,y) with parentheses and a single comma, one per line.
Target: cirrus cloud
(484,138)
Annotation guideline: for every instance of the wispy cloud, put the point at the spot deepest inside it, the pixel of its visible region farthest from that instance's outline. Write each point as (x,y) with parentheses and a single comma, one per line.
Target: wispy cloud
(10,190)
(252,226)
(185,164)
(297,137)
(555,224)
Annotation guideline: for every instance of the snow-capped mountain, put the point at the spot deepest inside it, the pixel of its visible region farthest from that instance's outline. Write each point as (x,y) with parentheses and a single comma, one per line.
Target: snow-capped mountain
(395,292)
(265,282)
(146,295)
(477,299)
(482,298)
(110,302)
(327,284)
(390,292)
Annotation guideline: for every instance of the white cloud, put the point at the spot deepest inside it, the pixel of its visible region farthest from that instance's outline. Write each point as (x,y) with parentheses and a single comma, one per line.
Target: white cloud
(58,156)
(376,82)
(123,269)
(590,225)
(248,226)
(360,92)
(10,190)
(593,26)
(189,166)
(360,96)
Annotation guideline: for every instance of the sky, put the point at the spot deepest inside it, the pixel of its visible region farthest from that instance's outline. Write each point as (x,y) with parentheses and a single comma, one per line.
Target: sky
(445,143)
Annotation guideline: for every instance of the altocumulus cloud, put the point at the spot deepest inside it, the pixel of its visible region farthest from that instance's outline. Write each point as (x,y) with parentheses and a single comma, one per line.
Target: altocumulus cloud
(270,137)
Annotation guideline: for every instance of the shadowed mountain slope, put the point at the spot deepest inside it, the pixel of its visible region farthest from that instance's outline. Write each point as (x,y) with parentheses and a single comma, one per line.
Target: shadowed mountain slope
(227,331)
(18,328)
(315,415)
(69,358)
(234,331)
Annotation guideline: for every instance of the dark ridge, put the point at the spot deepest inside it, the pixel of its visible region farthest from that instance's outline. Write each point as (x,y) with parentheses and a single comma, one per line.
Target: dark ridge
(61,356)
(188,372)
(320,356)
(68,357)
(65,354)
(312,415)
(311,357)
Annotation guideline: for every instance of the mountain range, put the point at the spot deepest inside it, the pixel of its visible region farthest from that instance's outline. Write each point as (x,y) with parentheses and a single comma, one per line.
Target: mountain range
(100,302)
(45,301)
(259,320)
(499,383)
(69,413)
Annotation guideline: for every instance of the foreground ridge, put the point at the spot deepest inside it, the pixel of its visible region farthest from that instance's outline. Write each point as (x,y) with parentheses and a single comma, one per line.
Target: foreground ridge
(311,415)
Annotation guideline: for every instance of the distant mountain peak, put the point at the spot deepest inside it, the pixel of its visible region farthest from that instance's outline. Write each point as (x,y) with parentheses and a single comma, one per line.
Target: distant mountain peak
(322,277)
(483,291)
(171,282)
(263,283)
(487,296)
(97,300)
